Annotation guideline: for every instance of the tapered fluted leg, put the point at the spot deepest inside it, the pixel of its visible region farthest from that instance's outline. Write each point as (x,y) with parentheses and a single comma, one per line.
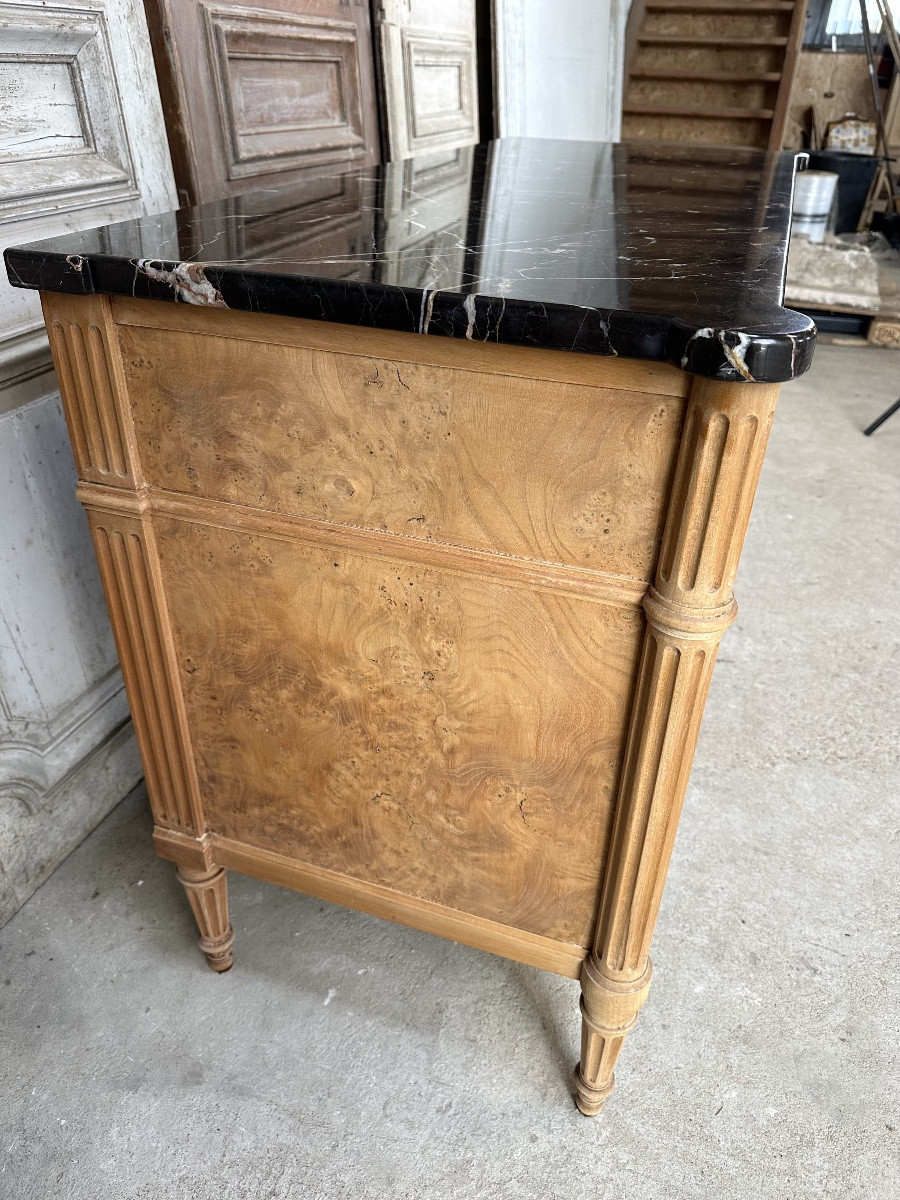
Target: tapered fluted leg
(609,1009)
(207,892)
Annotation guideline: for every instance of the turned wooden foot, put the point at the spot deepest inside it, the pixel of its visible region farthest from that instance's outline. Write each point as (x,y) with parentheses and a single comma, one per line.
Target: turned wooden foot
(207,892)
(609,1009)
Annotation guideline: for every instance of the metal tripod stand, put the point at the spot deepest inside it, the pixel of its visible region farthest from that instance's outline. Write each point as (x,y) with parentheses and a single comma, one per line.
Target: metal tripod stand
(888,412)
(894,42)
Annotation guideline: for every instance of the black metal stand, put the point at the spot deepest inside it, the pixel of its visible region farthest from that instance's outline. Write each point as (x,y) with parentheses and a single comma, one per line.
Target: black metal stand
(888,412)
(888,27)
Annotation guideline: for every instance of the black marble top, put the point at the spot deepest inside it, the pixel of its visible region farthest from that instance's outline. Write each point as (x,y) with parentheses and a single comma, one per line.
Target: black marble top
(645,251)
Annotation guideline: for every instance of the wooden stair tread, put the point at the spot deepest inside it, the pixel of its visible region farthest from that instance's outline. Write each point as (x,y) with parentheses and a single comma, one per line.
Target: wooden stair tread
(691,39)
(706,76)
(703,114)
(678,201)
(734,8)
(638,184)
(644,177)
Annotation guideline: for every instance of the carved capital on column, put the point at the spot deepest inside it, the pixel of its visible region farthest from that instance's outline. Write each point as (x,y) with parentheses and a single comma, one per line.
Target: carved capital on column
(613,1001)
(684,623)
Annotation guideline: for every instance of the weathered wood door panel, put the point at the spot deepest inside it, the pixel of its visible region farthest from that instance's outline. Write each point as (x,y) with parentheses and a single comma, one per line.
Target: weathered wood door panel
(81,139)
(254,95)
(429,66)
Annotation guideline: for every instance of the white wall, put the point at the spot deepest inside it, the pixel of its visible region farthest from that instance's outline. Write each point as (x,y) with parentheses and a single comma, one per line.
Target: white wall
(558,68)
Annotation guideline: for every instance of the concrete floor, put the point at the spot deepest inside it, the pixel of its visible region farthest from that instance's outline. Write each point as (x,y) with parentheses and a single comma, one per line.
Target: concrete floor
(346,1057)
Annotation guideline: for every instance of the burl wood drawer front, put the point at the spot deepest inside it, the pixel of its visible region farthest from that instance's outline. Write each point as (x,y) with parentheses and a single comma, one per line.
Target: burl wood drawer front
(454,736)
(557,472)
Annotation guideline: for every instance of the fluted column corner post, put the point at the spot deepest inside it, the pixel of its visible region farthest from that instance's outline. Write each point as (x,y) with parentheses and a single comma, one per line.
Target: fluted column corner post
(687,610)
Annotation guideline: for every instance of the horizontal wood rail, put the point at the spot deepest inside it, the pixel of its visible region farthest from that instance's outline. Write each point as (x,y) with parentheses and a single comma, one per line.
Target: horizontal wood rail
(689,76)
(700,114)
(719,6)
(722,40)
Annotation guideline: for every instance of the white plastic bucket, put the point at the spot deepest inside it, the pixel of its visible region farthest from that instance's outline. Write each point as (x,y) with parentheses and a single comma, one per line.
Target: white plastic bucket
(814,193)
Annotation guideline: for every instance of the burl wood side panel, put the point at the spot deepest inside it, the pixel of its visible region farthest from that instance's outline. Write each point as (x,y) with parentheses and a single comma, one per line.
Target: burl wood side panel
(454,737)
(383,610)
(558,472)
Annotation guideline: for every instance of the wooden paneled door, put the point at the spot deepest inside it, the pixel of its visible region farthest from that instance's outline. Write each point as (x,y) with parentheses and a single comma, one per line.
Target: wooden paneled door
(256,95)
(429,73)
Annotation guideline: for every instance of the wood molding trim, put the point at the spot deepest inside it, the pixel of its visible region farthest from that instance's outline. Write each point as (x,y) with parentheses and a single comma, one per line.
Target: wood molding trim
(588,370)
(617,590)
(169,72)
(208,853)
(271,87)
(97,410)
(185,849)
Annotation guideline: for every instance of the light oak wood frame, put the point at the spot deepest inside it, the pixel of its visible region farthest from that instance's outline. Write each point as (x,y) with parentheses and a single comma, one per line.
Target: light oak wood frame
(720,439)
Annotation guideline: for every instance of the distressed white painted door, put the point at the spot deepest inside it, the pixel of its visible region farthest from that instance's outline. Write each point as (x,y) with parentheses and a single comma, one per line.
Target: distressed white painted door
(428,62)
(82,143)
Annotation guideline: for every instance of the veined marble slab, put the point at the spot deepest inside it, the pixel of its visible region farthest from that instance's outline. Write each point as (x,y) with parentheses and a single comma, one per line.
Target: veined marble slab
(667,253)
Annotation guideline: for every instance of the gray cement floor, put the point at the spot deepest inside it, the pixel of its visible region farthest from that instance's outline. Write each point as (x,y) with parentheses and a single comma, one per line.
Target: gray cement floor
(346,1057)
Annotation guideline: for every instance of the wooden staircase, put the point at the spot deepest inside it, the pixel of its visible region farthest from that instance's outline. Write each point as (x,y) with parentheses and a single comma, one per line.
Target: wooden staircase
(710,71)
